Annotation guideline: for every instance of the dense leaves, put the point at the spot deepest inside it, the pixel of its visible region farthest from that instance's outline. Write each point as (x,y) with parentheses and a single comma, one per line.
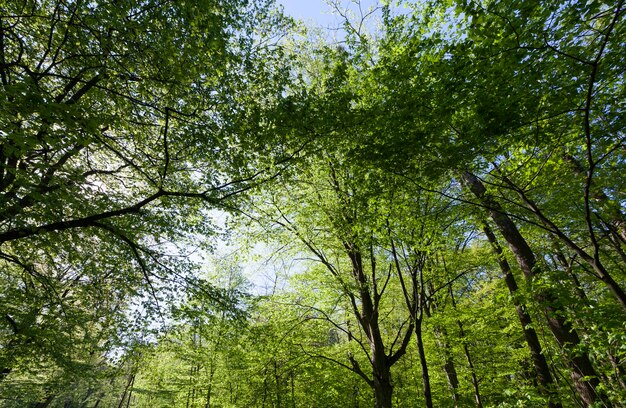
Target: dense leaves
(441,200)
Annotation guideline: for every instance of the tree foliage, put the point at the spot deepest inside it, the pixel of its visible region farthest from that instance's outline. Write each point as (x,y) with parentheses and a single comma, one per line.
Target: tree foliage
(445,191)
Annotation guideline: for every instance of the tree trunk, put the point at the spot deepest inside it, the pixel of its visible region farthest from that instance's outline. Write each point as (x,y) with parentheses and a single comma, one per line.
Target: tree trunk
(381,369)
(428,398)
(130,393)
(453,378)
(383,390)
(293,389)
(448,367)
(368,320)
(592,260)
(468,356)
(415,303)
(264,386)
(277,381)
(582,371)
(605,277)
(129,384)
(617,220)
(542,370)
(210,385)
(470,364)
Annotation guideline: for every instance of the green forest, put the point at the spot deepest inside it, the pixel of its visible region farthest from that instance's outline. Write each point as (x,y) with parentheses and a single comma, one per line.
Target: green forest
(209,203)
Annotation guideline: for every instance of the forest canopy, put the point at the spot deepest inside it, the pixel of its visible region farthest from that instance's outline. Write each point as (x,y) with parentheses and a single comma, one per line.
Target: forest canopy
(436,194)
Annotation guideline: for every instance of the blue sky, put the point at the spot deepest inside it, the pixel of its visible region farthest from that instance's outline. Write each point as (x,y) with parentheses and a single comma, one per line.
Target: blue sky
(316,11)
(319,12)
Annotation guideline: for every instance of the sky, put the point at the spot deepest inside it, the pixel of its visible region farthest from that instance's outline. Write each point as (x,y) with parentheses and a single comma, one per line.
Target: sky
(320,13)
(316,11)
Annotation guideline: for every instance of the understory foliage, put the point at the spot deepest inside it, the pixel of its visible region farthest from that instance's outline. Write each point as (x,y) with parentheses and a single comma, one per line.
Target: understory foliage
(439,198)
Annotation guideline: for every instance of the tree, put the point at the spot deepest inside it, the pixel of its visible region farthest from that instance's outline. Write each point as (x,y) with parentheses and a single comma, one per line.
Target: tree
(115,141)
(430,109)
(336,231)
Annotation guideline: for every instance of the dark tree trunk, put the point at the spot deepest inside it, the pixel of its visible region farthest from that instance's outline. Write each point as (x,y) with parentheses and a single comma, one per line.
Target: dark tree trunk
(130,393)
(428,398)
(605,277)
(383,391)
(365,300)
(381,369)
(582,371)
(416,305)
(293,389)
(475,384)
(592,260)
(277,381)
(264,387)
(542,370)
(368,319)
(453,379)
(449,367)
(617,221)
(129,384)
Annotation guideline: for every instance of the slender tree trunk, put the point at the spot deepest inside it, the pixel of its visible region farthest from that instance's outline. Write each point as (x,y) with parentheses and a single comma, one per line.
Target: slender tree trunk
(617,220)
(130,393)
(428,398)
(365,300)
(468,356)
(605,277)
(592,260)
(582,371)
(188,401)
(584,300)
(470,364)
(542,370)
(131,380)
(210,385)
(277,381)
(415,303)
(449,367)
(293,389)
(578,288)
(441,338)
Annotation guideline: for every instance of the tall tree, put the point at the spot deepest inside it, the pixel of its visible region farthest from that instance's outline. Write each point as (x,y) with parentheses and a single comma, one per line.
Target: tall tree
(349,253)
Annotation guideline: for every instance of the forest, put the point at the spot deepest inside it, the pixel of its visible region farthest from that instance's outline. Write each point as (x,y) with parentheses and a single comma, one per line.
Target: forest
(208,203)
